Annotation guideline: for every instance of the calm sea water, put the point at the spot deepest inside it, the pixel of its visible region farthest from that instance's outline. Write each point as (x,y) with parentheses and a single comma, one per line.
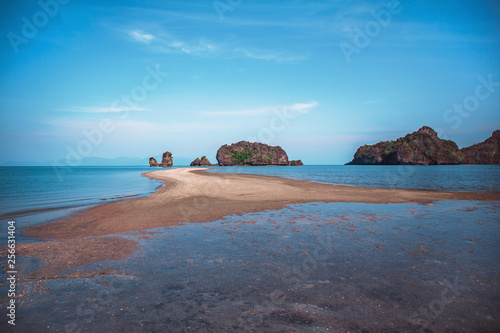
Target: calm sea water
(25,190)
(308,267)
(460,178)
(336,267)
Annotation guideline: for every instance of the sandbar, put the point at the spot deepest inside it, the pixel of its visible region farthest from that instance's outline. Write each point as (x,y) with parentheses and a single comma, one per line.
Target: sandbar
(194,195)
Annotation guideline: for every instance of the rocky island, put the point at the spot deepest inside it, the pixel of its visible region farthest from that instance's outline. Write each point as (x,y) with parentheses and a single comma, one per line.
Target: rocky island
(424,147)
(486,152)
(166,161)
(201,162)
(246,153)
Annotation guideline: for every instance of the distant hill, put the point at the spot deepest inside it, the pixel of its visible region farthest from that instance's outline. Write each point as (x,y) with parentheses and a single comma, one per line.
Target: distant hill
(99,161)
(423,147)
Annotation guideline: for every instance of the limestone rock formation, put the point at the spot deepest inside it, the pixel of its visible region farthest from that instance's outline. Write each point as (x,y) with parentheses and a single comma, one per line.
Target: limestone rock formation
(196,162)
(296,163)
(423,147)
(167,160)
(251,153)
(486,152)
(153,162)
(201,162)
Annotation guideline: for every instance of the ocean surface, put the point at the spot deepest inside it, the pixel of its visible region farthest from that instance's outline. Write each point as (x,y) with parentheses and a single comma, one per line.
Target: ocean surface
(314,267)
(27,190)
(32,190)
(459,178)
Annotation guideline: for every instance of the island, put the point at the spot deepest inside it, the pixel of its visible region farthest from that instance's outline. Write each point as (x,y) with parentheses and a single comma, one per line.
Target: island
(202,162)
(166,161)
(246,153)
(424,147)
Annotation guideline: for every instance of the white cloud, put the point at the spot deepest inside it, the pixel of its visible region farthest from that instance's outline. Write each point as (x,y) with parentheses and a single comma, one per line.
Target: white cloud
(138,127)
(200,47)
(99,109)
(141,37)
(373,102)
(267,55)
(330,140)
(265,110)
(163,42)
(303,107)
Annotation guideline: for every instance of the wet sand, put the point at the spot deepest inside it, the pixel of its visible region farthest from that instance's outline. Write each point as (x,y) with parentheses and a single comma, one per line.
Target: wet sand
(194,195)
(317,267)
(58,256)
(343,265)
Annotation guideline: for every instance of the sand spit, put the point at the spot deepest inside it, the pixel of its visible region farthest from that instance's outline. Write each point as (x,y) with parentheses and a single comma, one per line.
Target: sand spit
(194,195)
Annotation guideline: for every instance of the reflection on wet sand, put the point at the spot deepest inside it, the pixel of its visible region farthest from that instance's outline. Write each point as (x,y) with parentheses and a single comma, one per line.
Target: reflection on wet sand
(309,267)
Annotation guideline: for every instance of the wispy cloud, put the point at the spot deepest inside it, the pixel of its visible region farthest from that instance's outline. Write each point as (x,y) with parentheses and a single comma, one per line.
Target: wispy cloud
(140,36)
(265,110)
(383,101)
(70,127)
(163,42)
(373,102)
(267,55)
(105,109)
(201,47)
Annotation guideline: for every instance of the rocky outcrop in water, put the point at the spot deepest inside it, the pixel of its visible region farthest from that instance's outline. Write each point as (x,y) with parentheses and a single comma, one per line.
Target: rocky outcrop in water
(201,162)
(196,162)
(153,162)
(166,161)
(486,152)
(423,147)
(296,163)
(251,153)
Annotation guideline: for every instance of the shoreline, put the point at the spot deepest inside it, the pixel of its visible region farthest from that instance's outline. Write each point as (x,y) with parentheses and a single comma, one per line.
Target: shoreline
(194,195)
(189,195)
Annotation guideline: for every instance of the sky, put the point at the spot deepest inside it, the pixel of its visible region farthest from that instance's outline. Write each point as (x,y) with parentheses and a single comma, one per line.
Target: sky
(82,79)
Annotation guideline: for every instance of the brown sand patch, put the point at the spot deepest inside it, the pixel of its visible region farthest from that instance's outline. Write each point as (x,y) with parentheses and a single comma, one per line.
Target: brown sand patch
(198,196)
(61,255)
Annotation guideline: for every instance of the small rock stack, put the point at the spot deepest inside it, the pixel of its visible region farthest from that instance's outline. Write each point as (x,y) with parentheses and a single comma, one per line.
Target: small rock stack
(166,161)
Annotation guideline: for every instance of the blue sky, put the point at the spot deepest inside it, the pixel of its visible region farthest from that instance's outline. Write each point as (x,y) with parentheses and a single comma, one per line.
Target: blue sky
(318,78)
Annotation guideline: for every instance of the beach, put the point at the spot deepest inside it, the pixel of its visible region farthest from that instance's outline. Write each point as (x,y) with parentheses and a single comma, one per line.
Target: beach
(250,166)
(217,251)
(193,195)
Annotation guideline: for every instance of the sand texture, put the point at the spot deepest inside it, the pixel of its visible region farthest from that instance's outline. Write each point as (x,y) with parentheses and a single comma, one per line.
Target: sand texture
(194,195)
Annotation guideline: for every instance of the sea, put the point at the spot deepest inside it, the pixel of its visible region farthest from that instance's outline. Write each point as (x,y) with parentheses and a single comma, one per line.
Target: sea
(314,267)
(40,194)
(31,190)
